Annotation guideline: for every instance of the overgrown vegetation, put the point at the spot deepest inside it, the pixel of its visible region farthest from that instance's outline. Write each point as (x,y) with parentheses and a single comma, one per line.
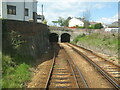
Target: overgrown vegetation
(98,26)
(77,38)
(99,40)
(15,73)
(62,22)
(15,66)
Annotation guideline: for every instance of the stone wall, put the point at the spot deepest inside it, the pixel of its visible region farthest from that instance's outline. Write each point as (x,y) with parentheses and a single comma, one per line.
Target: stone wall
(34,35)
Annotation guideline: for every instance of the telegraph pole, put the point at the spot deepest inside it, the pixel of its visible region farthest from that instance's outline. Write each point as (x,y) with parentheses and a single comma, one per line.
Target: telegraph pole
(42,12)
(24,11)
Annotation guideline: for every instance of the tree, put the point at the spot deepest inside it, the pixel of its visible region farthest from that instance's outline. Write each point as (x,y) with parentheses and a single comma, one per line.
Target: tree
(55,22)
(91,26)
(98,26)
(86,24)
(66,22)
(86,16)
(61,21)
(44,21)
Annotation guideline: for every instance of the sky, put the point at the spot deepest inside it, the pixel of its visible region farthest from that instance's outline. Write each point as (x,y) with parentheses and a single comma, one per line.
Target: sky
(105,12)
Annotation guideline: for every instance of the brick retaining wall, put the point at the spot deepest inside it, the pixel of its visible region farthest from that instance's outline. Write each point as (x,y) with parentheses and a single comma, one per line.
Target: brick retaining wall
(35,35)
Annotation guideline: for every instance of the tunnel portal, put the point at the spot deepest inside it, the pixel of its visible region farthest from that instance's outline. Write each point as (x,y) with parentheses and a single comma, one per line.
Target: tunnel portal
(65,37)
(53,37)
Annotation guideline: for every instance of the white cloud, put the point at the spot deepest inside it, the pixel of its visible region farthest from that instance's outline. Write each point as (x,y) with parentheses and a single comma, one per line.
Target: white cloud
(66,8)
(53,10)
(108,20)
(99,6)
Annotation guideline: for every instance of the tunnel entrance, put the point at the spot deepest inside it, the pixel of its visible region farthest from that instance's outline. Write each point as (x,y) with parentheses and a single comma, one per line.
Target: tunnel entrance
(65,37)
(53,37)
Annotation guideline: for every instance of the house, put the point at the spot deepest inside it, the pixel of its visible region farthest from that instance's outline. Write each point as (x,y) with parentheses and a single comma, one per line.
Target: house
(93,23)
(76,22)
(40,18)
(111,29)
(105,25)
(115,24)
(23,10)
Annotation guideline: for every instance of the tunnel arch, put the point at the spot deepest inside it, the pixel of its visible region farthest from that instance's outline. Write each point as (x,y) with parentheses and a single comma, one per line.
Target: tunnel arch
(65,37)
(53,37)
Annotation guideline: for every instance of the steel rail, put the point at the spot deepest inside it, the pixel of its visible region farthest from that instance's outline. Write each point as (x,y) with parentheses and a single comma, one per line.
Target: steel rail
(80,73)
(73,74)
(95,54)
(109,78)
(51,69)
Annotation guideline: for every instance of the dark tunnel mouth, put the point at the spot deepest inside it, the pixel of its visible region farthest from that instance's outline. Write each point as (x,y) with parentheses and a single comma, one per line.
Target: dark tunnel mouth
(53,37)
(65,37)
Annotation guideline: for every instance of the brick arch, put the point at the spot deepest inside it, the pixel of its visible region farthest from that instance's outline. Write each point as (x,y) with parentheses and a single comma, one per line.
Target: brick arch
(65,37)
(53,37)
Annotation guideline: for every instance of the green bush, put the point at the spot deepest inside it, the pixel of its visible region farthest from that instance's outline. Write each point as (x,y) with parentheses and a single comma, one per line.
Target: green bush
(98,26)
(7,64)
(15,66)
(77,38)
(91,27)
(81,27)
(100,40)
(14,74)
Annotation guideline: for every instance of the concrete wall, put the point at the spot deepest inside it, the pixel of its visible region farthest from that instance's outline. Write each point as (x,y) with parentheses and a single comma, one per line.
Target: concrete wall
(4,10)
(0,8)
(73,33)
(35,6)
(36,36)
(20,6)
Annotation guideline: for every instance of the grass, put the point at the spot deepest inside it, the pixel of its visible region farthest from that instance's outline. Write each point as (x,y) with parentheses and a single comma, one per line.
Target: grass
(77,38)
(15,66)
(101,40)
(14,73)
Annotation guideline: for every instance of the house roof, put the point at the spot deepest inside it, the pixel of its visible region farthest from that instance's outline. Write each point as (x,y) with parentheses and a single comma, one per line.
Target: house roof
(93,23)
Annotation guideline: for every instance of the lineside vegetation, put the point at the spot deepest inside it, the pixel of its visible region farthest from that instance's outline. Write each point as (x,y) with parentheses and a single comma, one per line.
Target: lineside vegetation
(99,40)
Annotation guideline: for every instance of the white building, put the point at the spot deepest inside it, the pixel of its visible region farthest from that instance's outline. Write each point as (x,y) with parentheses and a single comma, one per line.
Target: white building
(22,10)
(40,18)
(112,29)
(75,21)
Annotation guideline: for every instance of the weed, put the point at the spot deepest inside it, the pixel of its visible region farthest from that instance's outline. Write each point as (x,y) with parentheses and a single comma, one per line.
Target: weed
(77,38)
(99,40)
(14,74)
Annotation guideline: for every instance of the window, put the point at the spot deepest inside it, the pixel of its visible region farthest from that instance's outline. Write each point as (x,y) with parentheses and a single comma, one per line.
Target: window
(34,16)
(11,9)
(26,12)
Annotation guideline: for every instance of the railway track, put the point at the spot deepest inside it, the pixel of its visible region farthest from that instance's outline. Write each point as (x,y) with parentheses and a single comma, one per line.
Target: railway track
(106,68)
(64,73)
